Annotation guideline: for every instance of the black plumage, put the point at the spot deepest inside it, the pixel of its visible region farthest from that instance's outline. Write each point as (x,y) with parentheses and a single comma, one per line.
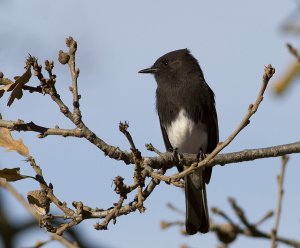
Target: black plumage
(186,107)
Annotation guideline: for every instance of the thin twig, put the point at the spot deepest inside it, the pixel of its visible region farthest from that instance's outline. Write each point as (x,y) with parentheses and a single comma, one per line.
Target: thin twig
(280,178)
(175,209)
(221,213)
(126,209)
(161,177)
(123,127)
(293,51)
(72,44)
(112,215)
(65,242)
(151,148)
(139,180)
(166,224)
(267,216)
(20,125)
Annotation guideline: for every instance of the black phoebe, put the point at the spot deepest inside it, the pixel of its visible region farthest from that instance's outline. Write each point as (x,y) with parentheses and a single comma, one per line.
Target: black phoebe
(186,108)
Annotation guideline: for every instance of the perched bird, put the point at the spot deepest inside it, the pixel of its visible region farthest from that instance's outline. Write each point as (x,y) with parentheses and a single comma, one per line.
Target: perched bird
(186,108)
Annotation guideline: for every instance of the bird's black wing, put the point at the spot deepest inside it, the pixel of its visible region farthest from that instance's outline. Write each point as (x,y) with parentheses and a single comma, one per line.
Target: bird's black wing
(213,136)
(165,137)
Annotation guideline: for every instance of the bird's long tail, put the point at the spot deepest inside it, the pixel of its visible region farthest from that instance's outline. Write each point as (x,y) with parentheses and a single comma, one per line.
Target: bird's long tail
(197,217)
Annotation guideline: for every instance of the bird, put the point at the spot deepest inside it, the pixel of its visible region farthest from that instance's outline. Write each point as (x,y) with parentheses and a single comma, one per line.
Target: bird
(188,119)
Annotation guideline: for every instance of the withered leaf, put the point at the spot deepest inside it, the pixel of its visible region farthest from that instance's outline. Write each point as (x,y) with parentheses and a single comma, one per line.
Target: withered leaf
(5,81)
(8,142)
(8,86)
(18,89)
(39,201)
(11,174)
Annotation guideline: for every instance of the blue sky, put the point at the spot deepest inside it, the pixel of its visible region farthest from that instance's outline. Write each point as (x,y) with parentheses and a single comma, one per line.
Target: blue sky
(232,40)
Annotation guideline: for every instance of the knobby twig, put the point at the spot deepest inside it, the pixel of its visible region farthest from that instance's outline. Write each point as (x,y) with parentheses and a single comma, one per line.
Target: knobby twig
(112,215)
(167,160)
(139,180)
(151,148)
(72,44)
(280,178)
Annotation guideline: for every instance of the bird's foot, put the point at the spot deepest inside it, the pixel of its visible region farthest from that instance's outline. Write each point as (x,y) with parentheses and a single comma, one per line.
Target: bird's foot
(201,155)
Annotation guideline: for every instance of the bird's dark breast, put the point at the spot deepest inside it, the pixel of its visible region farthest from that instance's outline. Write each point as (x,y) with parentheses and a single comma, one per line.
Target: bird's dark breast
(166,105)
(192,98)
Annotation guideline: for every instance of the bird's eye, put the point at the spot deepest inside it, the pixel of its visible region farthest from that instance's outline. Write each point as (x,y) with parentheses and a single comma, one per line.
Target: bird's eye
(165,63)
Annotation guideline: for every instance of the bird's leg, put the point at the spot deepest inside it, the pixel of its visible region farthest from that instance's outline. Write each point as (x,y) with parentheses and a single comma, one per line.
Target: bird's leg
(200,156)
(174,151)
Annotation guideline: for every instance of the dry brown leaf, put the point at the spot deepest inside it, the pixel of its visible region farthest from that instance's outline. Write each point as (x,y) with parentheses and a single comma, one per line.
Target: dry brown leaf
(18,89)
(8,85)
(39,201)
(11,174)
(5,81)
(8,142)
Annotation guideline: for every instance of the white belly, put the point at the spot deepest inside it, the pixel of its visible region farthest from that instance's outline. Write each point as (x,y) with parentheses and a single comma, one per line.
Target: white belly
(186,135)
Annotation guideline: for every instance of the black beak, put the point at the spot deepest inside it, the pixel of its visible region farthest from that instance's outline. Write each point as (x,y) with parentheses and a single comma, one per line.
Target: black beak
(148,70)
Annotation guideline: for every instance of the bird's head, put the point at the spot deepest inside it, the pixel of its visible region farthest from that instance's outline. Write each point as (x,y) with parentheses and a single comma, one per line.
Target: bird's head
(173,66)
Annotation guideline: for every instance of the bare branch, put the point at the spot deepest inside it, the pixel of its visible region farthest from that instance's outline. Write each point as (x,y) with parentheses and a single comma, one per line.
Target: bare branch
(280,178)
(20,125)
(139,180)
(167,160)
(151,148)
(221,213)
(123,127)
(164,160)
(167,224)
(126,209)
(175,209)
(290,75)
(267,216)
(64,241)
(112,215)
(72,44)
